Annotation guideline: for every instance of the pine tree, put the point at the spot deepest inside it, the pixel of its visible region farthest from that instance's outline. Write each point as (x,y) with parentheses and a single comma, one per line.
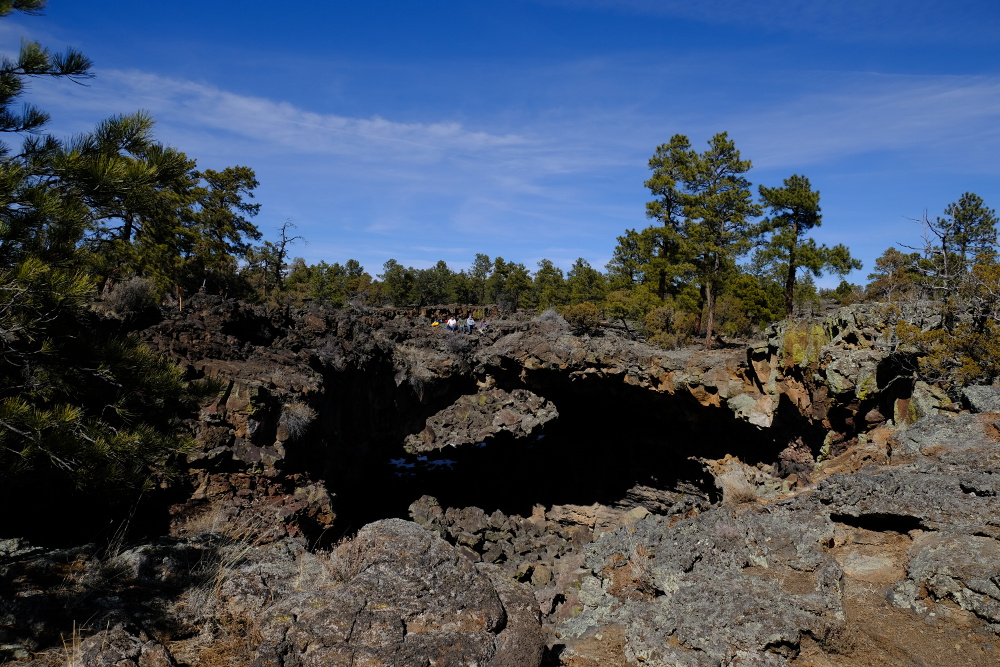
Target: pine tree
(705,206)
(549,286)
(973,226)
(585,283)
(94,411)
(794,211)
(508,285)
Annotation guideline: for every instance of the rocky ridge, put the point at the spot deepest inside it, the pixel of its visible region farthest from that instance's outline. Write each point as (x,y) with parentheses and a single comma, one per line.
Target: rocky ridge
(602,502)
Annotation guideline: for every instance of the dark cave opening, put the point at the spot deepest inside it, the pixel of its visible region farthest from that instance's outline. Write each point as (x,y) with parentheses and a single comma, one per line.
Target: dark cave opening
(608,439)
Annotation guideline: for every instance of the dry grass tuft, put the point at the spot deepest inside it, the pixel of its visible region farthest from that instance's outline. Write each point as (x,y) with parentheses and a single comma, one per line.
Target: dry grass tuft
(348,558)
(736,486)
(297,417)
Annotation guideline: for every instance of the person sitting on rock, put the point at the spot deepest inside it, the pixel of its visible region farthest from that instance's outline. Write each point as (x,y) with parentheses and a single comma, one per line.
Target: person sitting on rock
(452,323)
(470,324)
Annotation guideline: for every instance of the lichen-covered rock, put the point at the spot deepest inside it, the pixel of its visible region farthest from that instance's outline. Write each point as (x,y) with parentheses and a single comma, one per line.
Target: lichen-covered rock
(960,568)
(118,646)
(982,398)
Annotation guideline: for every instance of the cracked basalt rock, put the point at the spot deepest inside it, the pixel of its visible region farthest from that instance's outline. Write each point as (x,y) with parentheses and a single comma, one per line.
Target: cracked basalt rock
(726,580)
(395,594)
(477,417)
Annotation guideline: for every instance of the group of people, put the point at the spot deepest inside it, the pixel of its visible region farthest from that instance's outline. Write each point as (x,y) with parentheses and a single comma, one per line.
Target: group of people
(452,324)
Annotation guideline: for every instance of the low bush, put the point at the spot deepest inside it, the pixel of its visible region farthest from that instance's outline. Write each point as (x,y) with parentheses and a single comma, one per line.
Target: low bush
(583,317)
(131,297)
(669,327)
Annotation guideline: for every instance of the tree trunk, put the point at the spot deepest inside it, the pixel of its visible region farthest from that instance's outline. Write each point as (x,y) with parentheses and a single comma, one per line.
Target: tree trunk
(128,225)
(790,285)
(709,312)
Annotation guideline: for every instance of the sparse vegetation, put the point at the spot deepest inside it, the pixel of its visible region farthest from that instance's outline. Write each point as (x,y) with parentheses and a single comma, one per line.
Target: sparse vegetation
(297,418)
(131,297)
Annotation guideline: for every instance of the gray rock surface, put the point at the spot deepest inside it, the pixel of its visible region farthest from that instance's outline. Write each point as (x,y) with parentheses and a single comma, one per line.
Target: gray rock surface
(476,417)
(728,580)
(754,583)
(955,567)
(395,594)
(982,398)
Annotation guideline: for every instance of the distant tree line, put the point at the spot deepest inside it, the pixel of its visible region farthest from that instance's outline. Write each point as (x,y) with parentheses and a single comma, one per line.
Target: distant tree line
(678,278)
(717,260)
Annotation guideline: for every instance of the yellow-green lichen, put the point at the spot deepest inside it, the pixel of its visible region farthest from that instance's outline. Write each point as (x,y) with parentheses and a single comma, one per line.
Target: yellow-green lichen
(802,343)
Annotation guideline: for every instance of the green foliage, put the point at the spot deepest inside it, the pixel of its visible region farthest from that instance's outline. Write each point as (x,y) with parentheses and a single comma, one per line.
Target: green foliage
(398,283)
(971,227)
(334,284)
(895,277)
(585,283)
(631,305)
(435,285)
(704,205)
(95,410)
(508,285)
(582,317)
(951,242)
(266,265)
(80,407)
(479,273)
(670,327)
(794,211)
(844,293)
(747,304)
(220,228)
(965,349)
(33,61)
(549,288)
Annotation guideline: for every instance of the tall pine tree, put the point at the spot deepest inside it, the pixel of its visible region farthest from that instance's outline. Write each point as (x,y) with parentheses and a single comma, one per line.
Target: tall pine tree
(794,212)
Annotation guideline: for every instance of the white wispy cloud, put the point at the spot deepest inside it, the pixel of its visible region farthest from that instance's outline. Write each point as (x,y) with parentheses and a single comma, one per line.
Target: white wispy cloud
(893,21)
(555,180)
(950,117)
(273,123)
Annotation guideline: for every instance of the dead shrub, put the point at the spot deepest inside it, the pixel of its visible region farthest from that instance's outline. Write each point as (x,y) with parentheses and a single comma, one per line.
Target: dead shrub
(550,321)
(736,486)
(456,342)
(347,559)
(297,417)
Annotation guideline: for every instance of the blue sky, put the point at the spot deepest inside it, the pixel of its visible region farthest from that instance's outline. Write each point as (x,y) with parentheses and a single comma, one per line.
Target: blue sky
(435,130)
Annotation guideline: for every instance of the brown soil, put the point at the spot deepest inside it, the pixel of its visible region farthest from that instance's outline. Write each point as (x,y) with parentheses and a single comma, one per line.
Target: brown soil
(878,634)
(602,648)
